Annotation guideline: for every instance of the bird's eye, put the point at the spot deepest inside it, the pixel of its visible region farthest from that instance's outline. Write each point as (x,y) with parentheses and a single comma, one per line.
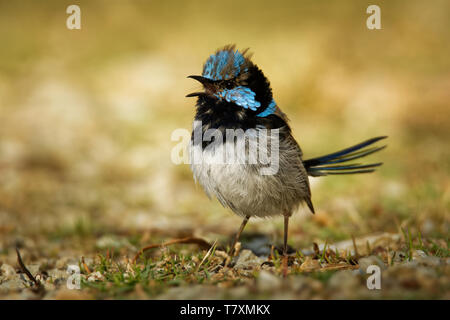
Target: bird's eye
(229,84)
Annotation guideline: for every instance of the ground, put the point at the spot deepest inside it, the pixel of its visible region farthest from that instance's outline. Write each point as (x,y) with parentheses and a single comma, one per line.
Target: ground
(86,176)
(409,267)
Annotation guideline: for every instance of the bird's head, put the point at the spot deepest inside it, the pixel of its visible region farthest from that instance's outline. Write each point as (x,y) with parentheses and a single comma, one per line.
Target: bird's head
(230,76)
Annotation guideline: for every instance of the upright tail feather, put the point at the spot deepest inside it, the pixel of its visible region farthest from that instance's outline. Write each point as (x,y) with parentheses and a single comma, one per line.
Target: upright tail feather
(325,165)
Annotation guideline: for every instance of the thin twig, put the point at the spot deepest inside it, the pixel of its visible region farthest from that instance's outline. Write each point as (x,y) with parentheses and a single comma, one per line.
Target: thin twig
(207,255)
(25,270)
(86,268)
(333,268)
(316,250)
(39,288)
(354,245)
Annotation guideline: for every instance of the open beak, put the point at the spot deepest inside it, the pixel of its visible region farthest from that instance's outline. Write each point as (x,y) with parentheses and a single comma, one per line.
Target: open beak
(207,83)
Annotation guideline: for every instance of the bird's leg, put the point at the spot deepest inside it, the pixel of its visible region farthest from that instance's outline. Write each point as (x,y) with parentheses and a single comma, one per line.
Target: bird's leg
(286,224)
(243,224)
(285,256)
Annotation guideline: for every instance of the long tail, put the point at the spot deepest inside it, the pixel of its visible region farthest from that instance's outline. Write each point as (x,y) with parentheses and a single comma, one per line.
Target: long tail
(325,165)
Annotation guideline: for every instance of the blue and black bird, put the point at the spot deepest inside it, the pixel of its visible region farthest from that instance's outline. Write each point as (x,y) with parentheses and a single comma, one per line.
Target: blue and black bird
(237,96)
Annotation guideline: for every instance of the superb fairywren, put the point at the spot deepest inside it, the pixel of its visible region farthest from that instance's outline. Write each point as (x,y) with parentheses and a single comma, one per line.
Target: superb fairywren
(237,96)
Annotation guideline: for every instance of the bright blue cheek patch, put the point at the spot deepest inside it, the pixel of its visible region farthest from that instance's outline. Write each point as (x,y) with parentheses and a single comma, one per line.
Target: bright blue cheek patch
(242,96)
(245,98)
(269,110)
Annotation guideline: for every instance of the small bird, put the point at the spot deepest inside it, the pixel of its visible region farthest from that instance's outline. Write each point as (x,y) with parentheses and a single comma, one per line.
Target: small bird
(237,96)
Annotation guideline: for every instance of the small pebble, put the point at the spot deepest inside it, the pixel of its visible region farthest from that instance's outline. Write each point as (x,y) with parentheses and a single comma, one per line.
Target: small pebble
(7,271)
(310,264)
(267,281)
(95,276)
(247,260)
(366,262)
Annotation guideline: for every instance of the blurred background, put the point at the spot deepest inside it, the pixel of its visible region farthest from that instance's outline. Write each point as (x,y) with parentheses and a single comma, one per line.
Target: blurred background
(86,115)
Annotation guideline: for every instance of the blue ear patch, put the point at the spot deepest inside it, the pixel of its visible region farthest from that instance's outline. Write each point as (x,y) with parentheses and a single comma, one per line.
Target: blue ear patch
(241,96)
(269,110)
(216,64)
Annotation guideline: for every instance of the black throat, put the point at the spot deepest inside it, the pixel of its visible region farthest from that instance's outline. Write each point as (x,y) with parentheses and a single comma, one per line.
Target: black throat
(222,115)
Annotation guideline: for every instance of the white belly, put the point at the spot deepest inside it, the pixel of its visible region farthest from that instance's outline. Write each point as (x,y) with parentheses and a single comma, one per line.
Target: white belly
(243,188)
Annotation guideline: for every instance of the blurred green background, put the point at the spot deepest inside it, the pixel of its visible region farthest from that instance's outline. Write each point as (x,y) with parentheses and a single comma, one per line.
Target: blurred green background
(86,115)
